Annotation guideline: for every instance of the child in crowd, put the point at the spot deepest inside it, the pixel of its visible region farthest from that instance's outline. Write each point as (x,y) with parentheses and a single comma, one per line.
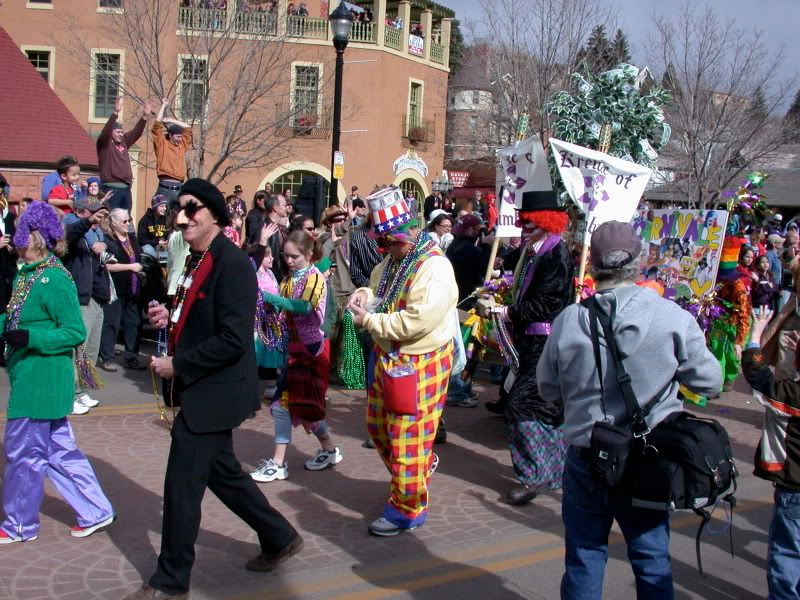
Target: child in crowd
(764,290)
(270,338)
(63,196)
(300,399)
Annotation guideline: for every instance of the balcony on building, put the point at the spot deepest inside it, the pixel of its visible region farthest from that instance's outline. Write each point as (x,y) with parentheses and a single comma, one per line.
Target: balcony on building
(418,29)
(416,129)
(313,123)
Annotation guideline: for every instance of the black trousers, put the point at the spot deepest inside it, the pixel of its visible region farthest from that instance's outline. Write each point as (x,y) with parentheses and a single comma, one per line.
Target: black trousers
(197,461)
(122,313)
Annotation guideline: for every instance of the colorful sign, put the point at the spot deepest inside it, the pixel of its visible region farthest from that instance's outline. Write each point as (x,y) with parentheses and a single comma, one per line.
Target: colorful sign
(524,169)
(604,187)
(681,249)
(416,45)
(459,178)
(410,160)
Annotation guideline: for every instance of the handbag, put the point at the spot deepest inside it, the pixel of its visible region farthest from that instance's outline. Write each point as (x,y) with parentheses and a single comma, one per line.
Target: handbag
(400,387)
(304,385)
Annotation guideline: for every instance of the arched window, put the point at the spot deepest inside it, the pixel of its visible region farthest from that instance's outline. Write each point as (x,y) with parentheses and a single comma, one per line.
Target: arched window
(293,180)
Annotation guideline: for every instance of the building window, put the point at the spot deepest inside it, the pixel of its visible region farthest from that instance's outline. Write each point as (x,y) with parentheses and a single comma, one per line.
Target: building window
(452,99)
(109,3)
(305,98)
(106,85)
(473,121)
(415,105)
(39,4)
(40,59)
(193,88)
(476,98)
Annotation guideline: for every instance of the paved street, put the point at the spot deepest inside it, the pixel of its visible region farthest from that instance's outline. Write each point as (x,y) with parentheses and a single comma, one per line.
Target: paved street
(473,546)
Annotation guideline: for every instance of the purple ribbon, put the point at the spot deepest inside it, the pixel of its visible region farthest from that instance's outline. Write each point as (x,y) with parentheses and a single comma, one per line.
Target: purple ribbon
(538,329)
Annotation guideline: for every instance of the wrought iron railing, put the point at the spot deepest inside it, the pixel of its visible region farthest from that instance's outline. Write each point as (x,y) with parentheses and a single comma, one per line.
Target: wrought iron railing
(418,130)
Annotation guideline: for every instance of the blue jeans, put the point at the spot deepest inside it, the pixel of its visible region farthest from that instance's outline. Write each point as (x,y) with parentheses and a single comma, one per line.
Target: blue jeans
(121,197)
(783,552)
(588,510)
(458,389)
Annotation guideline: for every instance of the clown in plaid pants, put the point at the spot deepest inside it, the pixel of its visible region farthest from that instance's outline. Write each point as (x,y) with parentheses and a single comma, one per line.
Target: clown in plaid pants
(405,442)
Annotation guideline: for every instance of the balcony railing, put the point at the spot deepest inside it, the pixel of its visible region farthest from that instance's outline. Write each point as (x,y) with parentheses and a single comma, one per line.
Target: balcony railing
(363,32)
(257,23)
(205,19)
(418,130)
(393,38)
(313,125)
(437,53)
(314,28)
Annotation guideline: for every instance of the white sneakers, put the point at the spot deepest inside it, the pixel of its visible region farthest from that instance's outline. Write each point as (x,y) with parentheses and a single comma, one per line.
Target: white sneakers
(83,403)
(269,470)
(324,459)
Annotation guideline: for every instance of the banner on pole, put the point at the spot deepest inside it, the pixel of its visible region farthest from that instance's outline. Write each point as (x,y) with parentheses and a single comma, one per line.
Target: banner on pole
(681,249)
(604,187)
(524,169)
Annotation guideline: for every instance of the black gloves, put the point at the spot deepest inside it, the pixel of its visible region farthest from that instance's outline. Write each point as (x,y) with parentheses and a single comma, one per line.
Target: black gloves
(16,338)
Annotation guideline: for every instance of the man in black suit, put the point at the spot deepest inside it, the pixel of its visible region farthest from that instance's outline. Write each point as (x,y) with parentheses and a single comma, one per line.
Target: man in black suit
(212,369)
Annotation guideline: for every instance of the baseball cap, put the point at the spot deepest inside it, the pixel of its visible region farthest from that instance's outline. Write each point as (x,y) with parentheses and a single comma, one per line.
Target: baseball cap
(614,236)
(90,203)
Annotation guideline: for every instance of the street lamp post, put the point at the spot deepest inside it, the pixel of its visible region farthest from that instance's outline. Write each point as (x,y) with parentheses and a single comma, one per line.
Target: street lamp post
(341,21)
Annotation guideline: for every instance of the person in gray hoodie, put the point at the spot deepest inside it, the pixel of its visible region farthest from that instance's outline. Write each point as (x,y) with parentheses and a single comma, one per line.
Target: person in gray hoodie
(661,346)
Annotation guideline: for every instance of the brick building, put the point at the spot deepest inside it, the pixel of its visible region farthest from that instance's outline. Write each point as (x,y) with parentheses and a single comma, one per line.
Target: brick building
(394,93)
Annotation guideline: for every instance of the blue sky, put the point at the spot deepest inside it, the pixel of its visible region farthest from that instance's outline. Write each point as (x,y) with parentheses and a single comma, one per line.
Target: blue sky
(775,20)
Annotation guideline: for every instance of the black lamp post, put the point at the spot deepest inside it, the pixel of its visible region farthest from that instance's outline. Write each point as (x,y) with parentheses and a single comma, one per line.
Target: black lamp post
(341,21)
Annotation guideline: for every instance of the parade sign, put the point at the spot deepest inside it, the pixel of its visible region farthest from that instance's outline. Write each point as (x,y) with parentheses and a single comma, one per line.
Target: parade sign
(524,169)
(416,45)
(604,187)
(681,249)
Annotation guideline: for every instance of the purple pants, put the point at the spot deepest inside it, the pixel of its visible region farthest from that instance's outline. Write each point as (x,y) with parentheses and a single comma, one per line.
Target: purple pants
(35,448)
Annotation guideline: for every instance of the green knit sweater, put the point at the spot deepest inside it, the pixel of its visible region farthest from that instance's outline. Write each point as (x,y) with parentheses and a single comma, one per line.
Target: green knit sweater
(42,374)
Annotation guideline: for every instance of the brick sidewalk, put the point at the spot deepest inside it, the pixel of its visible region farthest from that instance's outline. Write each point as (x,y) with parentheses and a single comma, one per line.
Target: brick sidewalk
(332,508)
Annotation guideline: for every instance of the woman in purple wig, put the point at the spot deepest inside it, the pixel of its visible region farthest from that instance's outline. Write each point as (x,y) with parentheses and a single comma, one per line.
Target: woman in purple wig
(42,327)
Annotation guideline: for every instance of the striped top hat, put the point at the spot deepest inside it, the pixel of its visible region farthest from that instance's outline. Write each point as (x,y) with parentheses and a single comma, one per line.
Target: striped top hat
(390,211)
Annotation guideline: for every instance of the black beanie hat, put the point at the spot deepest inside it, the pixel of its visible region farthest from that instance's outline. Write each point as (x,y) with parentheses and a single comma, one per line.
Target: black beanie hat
(174,128)
(209,195)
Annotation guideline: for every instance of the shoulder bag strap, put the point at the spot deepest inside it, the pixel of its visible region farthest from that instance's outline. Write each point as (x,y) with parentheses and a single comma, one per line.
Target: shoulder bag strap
(639,425)
(591,304)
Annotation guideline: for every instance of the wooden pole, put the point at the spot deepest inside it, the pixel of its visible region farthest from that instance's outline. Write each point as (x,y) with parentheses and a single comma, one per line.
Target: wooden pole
(604,146)
(492,257)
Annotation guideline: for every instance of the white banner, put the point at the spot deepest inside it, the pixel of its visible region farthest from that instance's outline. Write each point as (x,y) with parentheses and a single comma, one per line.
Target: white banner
(604,187)
(524,169)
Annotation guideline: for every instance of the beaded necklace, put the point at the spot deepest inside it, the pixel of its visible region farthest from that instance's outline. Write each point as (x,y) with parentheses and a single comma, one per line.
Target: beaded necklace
(396,274)
(22,290)
(184,283)
(87,376)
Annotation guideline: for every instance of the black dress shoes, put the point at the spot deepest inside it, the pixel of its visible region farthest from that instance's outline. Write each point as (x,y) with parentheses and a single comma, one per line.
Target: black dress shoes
(525,493)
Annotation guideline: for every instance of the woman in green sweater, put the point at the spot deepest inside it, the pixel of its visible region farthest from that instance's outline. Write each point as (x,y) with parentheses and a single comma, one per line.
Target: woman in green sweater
(42,327)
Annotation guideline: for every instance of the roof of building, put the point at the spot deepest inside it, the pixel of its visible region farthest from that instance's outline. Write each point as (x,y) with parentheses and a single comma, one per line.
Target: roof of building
(38,129)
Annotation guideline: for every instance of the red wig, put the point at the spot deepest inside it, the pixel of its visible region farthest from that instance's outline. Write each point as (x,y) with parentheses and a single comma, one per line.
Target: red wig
(552,221)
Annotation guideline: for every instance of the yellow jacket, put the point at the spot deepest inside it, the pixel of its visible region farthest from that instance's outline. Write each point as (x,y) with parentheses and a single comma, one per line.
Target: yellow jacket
(424,324)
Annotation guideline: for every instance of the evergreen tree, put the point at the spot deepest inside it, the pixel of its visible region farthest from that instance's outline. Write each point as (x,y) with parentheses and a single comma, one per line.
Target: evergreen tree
(456,46)
(671,83)
(598,53)
(757,110)
(620,49)
(791,122)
